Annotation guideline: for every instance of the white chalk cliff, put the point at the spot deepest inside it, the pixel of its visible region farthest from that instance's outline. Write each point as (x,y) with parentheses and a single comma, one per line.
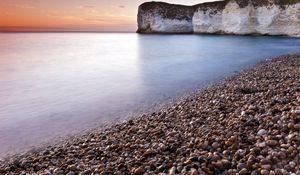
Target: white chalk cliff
(240,17)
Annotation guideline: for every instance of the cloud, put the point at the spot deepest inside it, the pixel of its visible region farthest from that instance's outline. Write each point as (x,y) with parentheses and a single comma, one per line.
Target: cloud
(87,7)
(53,14)
(93,19)
(73,18)
(26,6)
(65,17)
(9,13)
(122,6)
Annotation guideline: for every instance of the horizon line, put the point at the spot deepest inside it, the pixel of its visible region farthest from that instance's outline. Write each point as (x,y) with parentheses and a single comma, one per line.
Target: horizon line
(66,31)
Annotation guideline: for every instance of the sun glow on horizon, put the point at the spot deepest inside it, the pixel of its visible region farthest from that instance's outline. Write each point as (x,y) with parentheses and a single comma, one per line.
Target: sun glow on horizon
(71,15)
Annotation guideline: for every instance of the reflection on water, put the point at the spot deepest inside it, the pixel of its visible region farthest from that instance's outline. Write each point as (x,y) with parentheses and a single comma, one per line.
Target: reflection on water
(62,83)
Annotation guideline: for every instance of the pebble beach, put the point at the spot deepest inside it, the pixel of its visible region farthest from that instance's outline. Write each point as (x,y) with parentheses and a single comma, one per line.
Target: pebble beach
(248,124)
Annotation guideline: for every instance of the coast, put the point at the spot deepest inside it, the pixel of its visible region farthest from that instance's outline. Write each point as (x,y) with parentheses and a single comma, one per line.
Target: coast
(247,124)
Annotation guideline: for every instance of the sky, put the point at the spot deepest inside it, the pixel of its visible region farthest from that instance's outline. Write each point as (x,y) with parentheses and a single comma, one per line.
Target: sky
(73,15)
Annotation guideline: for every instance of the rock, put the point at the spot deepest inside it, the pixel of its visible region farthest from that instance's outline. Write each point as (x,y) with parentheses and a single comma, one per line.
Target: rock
(243,171)
(272,143)
(250,163)
(71,173)
(45,173)
(296,112)
(254,172)
(57,171)
(2,170)
(241,166)
(72,168)
(266,166)
(278,171)
(264,172)
(265,162)
(149,152)
(219,165)
(261,144)
(172,171)
(215,145)
(194,172)
(138,171)
(297,127)
(261,132)
(225,17)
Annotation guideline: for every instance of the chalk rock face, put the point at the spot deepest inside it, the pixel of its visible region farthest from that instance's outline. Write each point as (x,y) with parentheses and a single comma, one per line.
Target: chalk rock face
(241,17)
(158,17)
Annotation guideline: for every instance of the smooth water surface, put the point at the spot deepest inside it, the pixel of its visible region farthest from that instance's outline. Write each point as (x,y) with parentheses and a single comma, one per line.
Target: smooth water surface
(57,84)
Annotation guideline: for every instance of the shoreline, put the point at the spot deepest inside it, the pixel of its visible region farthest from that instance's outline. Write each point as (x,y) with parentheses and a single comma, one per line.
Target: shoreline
(247,123)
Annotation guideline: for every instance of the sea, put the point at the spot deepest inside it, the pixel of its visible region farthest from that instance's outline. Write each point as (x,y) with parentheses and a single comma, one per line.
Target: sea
(57,85)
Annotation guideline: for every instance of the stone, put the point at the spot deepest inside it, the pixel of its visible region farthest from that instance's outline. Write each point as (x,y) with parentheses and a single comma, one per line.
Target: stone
(271,143)
(71,173)
(243,171)
(215,145)
(296,112)
(264,172)
(194,172)
(267,167)
(265,161)
(138,171)
(172,171)
(72,168)
(261,132)
(278,171)
(241,166)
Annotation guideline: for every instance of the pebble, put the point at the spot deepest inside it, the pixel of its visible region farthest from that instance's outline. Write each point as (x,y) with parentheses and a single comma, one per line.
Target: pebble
(172,171)
(261,132)
(71,173)
(272,142)
(243,171)
(278,171)
(215,145)
(138,171)
(297,111)
(264,172)
(194,172)
(72,168)
(241,166)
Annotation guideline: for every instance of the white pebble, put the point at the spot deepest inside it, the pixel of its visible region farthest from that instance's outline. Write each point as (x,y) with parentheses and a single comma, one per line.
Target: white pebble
(261,132)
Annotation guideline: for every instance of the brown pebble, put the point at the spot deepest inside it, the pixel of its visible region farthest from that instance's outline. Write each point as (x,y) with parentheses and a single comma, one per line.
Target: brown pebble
(244,171)
(266,166)
(72,168)
(187,162)
(278,171)
(297,127)
(265,161)
(264,172)
(138,171)
(272,143)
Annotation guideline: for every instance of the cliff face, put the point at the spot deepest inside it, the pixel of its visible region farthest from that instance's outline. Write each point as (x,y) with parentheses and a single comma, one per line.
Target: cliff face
(158,17)
(241,17)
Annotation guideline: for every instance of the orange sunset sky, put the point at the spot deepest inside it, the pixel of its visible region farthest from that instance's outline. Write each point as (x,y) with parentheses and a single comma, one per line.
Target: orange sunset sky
(72,15)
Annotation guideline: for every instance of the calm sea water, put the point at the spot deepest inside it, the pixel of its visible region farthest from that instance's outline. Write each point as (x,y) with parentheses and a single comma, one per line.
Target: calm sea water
(57,84)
